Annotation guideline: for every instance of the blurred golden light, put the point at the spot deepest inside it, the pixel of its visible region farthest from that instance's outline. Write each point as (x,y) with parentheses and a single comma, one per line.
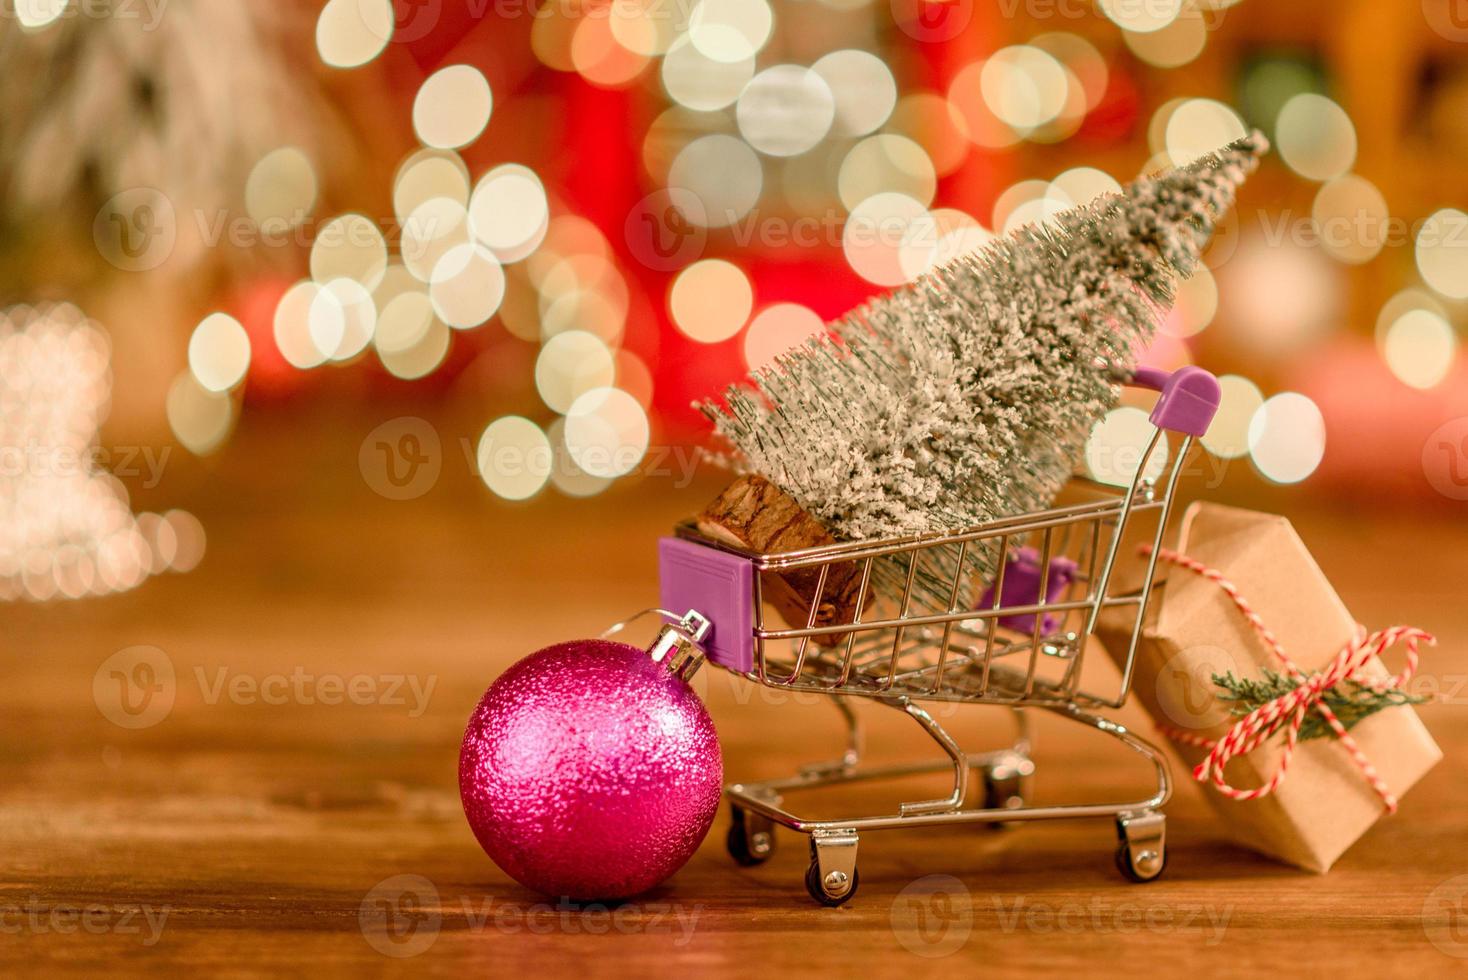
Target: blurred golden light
(886,163)
(723,173)
(1157,129)
(435,226)
(1442,253)
(341,319)
(785,110)
(1279,297)
(863,87)
(1200,126)
(200,419)
(35,14)
(467,286)
(552,30)
(980,124)
(696,81)
(875,234)
(600,58)
(1172,45)
(592,310)
(292,326)
(571,364)
(1194,306)
(452,107)
(402,322)
(1027,202)
(1115,447)
(421,358)
(1228,435)
(939,237)
(1081,185)
(1287,437)
(1081,58)
(643,26)
(1402,302)
(710,300)
(1024,86)
(566,476)
(1419,347)
(1141,18)
(1315,137)
(514,457)
(426,174)
(219,352)
(936,126)
(520,311)
(730,30)
(350,33)
(776,329)
(508,211)
(349,247)
(607,432)
(674,129)
(1351,218)
(188,540)
(281,189)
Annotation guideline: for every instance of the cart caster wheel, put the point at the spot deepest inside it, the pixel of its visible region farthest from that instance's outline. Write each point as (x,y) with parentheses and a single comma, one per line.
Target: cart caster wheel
(836,888)
(1004,785)
(1148,866)
(751,839)
(1141,852)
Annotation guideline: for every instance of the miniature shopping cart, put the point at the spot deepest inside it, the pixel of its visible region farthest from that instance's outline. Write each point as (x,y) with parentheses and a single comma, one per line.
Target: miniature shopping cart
(1020,642)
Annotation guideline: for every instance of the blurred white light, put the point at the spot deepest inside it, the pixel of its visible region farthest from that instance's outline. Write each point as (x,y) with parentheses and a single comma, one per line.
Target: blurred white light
(349,247)
(1315,137)
(292,326)
(696,81)
(219,352)
(710,300)
(1115,447)
(886,163)
(1442,253)
(1197,127)
(785,110)
(452,107)
(508,211)
(571,364)
(281,189)
(1419,348)
(199,418)
(1287,438)
(350,33)
(730,31)
(1141,16)
(863,87)
(1024,86)
(722,173)
(607,432)
(875,233)
(1082,185)
(467,286)
(514,457)
(341,319)
(426,174)
(1228,436)
(1350,217)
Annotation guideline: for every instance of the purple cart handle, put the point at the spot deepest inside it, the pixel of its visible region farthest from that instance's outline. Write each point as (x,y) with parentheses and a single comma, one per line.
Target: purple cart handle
(1190,398)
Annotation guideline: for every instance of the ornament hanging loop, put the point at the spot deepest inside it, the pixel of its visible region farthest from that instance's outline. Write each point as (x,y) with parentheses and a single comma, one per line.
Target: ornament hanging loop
(677,644)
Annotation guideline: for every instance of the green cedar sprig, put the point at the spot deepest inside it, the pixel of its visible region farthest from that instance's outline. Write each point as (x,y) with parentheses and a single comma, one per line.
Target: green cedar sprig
(1350,700)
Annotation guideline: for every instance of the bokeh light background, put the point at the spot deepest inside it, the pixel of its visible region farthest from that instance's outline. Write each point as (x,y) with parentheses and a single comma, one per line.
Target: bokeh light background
(590,214)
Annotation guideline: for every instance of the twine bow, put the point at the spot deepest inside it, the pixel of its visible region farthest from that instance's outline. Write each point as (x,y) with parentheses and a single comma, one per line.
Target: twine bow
(1289,710)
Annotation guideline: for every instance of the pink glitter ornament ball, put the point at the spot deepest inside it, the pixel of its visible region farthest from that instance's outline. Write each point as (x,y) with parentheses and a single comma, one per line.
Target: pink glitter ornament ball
(590,771)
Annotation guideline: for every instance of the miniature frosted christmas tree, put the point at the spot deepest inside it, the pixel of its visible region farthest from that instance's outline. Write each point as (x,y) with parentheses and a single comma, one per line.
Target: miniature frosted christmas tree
(969,394)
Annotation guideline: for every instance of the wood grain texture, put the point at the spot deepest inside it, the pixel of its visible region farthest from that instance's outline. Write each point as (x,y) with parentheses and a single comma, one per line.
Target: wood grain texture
(255,819)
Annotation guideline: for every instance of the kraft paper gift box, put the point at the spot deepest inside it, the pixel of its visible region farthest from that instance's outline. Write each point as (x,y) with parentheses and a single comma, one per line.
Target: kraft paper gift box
(1193,630)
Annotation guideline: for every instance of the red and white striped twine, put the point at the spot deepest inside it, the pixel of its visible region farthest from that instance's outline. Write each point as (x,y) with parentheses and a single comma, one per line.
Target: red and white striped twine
(1250,731)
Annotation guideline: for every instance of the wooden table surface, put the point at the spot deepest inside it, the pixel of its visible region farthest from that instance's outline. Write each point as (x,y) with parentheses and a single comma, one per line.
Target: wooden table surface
(245,830)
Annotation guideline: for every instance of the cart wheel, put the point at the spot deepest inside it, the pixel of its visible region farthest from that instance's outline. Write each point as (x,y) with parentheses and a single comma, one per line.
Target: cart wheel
(834,889)
(751,839)
(1142,868)
(1004,789)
